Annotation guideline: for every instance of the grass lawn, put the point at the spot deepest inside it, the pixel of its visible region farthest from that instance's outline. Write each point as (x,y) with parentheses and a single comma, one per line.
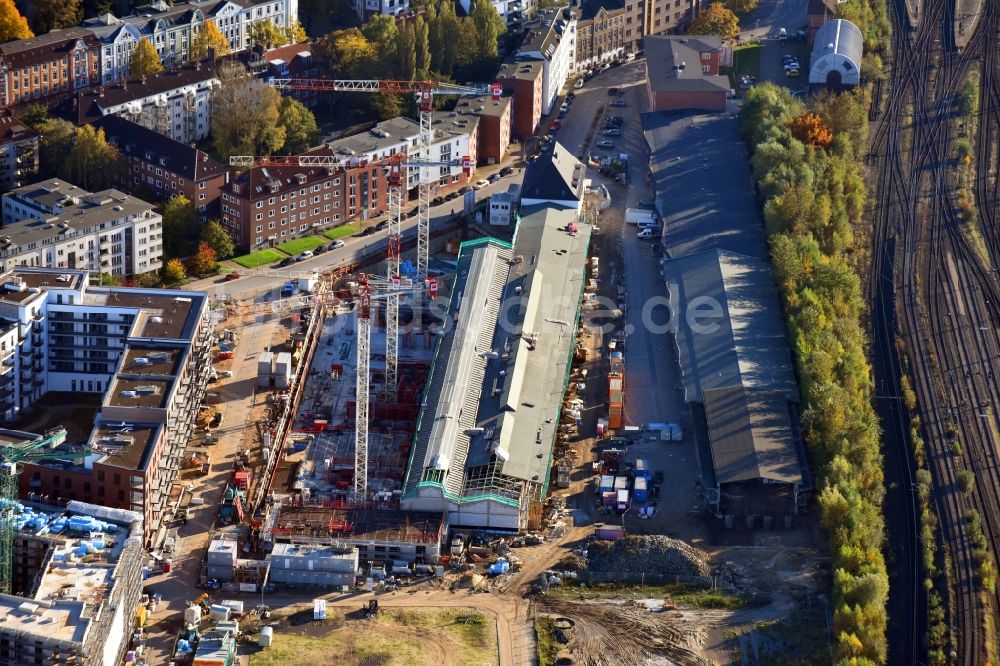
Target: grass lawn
(259,258)
(394,637)
(294,247)
(548,648)
(746,61)
(339,232)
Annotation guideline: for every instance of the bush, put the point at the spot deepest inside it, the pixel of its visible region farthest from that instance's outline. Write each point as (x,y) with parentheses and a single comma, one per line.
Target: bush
(966,480)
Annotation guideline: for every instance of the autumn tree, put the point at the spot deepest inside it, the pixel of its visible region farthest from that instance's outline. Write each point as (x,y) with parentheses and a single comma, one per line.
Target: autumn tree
(742,7)
(347,53)
(145,59)
(209,37)
(217,239)
(50,14)
(716,20)
(295,33)
(34,115)
(203,261)
(56,142)
(180,227)
(299,124)
(382,31)
(173,273)
(12,24)
(809,129)
(267,34)
(245,114)
(92,162)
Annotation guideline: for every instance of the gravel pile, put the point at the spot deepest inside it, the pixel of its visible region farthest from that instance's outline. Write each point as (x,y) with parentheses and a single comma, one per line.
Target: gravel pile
(658,555)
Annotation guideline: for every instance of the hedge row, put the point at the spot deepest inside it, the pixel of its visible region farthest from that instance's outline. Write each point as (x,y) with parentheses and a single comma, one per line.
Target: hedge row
(810,181)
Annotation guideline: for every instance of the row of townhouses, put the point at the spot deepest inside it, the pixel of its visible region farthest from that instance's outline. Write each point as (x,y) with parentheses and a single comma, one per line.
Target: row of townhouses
(57,65)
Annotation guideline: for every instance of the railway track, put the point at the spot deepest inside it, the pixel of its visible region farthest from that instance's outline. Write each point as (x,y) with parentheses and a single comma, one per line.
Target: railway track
(946,304)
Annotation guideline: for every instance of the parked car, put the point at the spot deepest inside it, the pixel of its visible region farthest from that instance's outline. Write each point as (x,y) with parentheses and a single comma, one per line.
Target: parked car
(288,261)
(782,34)
(792,73)
(464,189)
(480,184)
(579,83)
(412,213)
(619,102)
(384,224)
(437,201)
(554,127)
(494,178)
(614,131)
(614,120)
(232,276)
(336,245)
(320,250)
(304,255)
(506,171)
(564,107)
(570,96)
(646,204)
(791,65)
(367,232)
(606,143)
(451,196)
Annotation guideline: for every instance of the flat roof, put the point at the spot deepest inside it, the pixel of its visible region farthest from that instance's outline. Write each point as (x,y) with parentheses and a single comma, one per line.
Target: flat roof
(123,444)
(163,314)
(313,550)
(751,437)
(140,392)
(673,63)
(526,70)
(734,333)
(149,360)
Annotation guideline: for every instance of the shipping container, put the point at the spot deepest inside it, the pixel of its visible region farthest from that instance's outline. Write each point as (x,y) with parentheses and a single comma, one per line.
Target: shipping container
(676,432)
(610,532)
(607,483)
(642,468)
(608,498)
(621,483)
(264,368)
(622,501)
(615,415)
(640,486)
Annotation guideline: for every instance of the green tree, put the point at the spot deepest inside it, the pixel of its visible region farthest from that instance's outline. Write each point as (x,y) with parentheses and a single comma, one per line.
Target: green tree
(382,32)
(245,114)
(173,272)
(34,115)
(386,105)
(299,123)
(55,145)
(12,24)
(109,280)
(216,237)
(209,37)
(347,53)
(267,34)
(145,60)
(51,14)
(406,53)
(92,162)
(180,227)
(489,25)
(422,47)
(716,20)
(742,7)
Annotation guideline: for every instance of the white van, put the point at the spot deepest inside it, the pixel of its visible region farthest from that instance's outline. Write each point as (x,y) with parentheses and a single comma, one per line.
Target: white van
(782,34)
(646,232)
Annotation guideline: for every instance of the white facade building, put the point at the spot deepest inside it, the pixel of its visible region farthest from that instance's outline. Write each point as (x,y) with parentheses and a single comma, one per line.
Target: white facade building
(56,225)
(512,11)
(552,40)
(503,206)
(365,9)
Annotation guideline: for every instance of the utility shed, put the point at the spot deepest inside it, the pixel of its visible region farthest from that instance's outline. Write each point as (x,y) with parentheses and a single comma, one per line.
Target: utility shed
(308,564)
(836,57)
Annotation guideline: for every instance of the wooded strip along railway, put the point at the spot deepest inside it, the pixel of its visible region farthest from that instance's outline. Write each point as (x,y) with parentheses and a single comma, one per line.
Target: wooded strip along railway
(935,300)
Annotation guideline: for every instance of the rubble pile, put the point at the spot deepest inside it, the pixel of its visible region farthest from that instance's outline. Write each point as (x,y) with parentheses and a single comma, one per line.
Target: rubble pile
(658,555)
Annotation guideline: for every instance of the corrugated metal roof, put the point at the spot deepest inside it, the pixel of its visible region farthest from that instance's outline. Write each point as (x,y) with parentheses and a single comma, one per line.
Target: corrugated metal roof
(840,37)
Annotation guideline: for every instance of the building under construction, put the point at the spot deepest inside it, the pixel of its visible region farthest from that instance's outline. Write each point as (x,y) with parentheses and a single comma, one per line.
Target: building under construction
(77,584)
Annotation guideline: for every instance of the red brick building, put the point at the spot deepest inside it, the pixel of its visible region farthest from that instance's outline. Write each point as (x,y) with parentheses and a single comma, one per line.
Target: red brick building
(48,68)
(682,72)
(493,135)
(524,80)
(818,13)
(270,205)
(153,162)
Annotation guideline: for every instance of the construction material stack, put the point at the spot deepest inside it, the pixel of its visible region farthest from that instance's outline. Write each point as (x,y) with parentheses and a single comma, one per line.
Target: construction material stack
(616,390)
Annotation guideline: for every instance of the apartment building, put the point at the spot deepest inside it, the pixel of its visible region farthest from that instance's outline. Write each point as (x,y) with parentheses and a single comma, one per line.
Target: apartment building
(657,17)
(18,152)
(524,80)
(48,68)
(600,38)
(513,12)
(175,103)
(67,609)
(152,162)
(55,224)
(292,61)
(494,125)
(365,9)
(143,355)
(683,73)
(551,40)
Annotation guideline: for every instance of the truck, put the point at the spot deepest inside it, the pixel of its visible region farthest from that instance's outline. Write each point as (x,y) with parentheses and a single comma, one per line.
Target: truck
(642,468)
(288,289)
(616,389)
(676,432)
(640,217)
(307,284)
(639,488)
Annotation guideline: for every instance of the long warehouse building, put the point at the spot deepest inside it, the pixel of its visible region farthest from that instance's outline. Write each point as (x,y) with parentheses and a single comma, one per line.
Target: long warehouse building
(483,447)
